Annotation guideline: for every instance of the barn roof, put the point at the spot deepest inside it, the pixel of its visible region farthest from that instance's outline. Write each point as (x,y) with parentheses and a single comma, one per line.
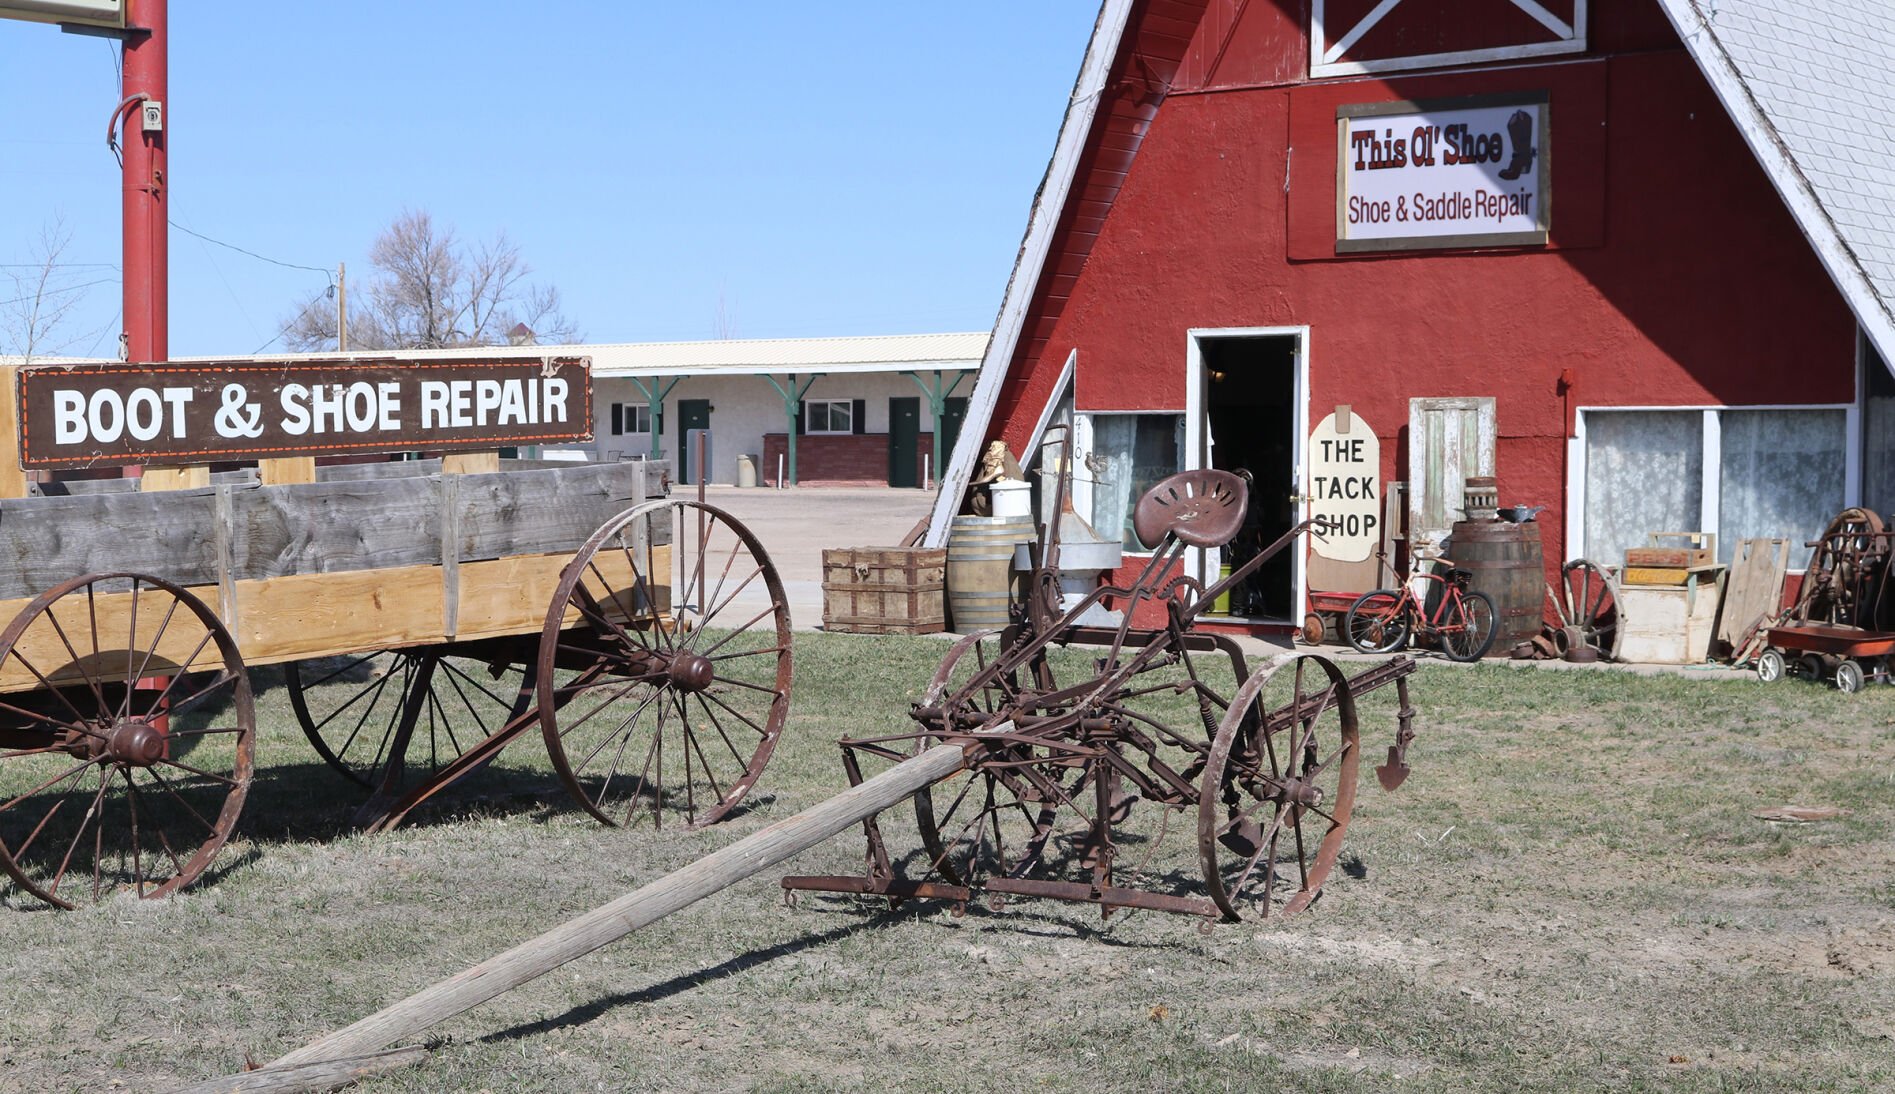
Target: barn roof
(1807,81)
(1811,83)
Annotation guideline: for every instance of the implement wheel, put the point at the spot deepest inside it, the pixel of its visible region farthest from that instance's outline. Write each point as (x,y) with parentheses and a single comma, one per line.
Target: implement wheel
(126,770)
(667,645)
(1278,789)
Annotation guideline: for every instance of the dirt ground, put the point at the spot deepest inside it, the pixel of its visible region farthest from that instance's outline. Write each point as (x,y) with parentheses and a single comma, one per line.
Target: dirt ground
(1573,891)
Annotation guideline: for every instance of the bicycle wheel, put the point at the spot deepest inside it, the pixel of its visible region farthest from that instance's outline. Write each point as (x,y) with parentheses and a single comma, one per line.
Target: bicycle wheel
(1468,630)
(1377,622)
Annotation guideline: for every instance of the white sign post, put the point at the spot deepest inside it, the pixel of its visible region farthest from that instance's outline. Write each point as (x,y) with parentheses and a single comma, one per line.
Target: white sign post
(1465,173)
(1345,488)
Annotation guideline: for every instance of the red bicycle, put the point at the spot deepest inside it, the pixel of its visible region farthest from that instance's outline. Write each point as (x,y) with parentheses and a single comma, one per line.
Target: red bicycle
(1459,619)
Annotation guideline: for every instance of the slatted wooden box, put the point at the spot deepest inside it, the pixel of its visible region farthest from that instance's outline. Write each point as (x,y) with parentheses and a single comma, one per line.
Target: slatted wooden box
(885,590)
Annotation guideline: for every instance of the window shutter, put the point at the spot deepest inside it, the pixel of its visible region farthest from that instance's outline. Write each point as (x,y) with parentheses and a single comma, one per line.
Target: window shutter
(859,415)
(618,419)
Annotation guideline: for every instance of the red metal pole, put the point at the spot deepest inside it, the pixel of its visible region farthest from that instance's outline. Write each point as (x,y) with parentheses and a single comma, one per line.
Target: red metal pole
(145,235)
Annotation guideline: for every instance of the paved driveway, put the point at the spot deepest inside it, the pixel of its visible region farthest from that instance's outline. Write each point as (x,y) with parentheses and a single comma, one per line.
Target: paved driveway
(797,524)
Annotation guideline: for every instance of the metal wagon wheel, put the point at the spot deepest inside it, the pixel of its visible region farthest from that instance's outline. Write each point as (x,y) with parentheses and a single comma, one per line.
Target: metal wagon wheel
(668,646)
(995,821)
(1593,611)
(1279,789)
(358,709)
(126,770)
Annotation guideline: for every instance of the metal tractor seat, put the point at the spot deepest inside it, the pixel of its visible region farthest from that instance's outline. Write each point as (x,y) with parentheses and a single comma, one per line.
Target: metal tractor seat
(1201,508)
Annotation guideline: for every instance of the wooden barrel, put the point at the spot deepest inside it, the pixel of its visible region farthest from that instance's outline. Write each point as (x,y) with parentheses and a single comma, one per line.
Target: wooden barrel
(1508,565)
(980,576)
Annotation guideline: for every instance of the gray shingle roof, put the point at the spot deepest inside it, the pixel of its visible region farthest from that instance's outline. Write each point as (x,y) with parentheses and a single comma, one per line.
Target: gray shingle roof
(1812,84)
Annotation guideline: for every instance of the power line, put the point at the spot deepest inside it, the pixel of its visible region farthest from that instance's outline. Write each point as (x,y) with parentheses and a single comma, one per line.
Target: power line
(252,254)
(61,289)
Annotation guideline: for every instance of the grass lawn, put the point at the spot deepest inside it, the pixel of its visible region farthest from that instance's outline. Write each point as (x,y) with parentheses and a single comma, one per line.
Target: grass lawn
(1571,892)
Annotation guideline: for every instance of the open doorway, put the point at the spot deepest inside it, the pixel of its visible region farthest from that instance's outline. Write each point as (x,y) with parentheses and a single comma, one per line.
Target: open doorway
(1251,418)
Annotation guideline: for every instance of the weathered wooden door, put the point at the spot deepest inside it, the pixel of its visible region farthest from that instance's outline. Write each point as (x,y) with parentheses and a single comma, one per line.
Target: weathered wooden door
(1449,441)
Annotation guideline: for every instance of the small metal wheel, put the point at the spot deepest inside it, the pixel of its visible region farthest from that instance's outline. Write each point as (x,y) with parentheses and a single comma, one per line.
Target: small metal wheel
(1593,605)
(1468,632)
(1278,789)
(995,821)
(1313,629)
(1849,678)
(359,709)
(124,768)
(1770,666)
(668,646)
(1377,622)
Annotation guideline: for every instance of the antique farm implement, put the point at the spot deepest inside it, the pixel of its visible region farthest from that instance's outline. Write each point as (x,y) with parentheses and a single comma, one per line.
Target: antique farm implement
(1127,776)
(424,618)
(1842,626)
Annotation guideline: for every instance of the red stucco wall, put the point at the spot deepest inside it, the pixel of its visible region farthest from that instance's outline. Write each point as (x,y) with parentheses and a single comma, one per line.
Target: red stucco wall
(1674,276)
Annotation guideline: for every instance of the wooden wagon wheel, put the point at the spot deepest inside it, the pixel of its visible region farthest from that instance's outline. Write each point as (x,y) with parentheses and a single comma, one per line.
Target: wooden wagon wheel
(1593,611)
(1277,792)
(359,709)
(668,646)
(126,769)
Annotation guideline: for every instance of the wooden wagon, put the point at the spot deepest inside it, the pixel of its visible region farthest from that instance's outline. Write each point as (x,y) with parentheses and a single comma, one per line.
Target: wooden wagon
(428,612)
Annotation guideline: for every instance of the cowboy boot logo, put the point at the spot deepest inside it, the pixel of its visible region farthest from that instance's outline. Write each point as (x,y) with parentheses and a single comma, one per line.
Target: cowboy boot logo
(1520,132)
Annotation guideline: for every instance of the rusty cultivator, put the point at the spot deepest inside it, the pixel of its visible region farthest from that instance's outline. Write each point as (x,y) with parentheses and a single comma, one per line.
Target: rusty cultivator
(1131,773)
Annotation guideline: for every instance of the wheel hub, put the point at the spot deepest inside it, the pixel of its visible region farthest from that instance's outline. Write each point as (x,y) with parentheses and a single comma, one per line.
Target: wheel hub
(136,741)
(691,672)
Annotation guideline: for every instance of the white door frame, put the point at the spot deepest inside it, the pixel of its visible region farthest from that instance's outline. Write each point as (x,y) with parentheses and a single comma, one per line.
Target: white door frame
(1197,442)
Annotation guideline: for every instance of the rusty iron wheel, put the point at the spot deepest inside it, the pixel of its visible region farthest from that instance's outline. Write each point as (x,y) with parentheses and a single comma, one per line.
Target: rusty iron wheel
(1592,604)
(1279,789)
(126,767)
(994,822)
(664,665)
(351,707)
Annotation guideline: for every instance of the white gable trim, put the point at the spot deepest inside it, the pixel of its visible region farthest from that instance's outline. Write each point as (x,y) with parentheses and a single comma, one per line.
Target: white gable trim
(1080,112)
(1871,311)
(1324,56)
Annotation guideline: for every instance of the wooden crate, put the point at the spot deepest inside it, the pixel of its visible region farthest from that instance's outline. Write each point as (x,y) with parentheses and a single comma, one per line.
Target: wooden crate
(884,590)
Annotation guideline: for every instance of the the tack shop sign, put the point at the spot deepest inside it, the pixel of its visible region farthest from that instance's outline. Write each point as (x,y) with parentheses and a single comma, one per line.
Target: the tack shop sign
(1455,173)
(177,414)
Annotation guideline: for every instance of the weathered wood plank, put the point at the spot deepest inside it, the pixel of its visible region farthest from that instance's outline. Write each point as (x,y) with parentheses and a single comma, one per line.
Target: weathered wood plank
(44,541)
(310,1078)
(12,476)
(156,479)
(531,512)
(288,471)
(336,527)
(470,463)
(385,469)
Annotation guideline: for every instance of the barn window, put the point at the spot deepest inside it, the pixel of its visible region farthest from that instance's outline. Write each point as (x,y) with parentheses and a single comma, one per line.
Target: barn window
(828,416)
(1124,455)
(1771,472)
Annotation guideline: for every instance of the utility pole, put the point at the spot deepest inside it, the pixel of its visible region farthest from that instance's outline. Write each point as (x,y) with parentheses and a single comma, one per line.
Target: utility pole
(145,240)
(342,307)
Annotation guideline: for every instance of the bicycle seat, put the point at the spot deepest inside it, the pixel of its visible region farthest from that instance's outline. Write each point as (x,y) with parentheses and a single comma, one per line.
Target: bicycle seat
(1202,508)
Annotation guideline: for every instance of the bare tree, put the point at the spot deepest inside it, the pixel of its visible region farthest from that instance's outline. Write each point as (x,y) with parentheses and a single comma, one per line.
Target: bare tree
(42,298)
(430,292)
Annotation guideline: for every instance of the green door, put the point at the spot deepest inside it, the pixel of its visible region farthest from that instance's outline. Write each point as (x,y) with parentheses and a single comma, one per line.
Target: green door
(904,441)
(692,414)
(953,413)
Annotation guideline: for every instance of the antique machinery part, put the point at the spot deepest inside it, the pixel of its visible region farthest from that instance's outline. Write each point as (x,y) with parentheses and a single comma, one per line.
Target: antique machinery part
(1202,508)
(351,707)
(1279,789)
(127,768)
(1845,582)
(668,641)
(1593,605)
(1394,772)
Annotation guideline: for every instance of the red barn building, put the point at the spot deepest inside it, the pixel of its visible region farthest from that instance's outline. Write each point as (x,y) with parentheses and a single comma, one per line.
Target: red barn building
(1627,256)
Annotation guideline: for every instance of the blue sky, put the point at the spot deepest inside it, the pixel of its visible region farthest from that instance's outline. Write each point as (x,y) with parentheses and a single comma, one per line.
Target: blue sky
(833,169)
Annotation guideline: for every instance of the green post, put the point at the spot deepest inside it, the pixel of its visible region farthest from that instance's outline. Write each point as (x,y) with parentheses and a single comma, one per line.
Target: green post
(792,407)
(937,402)
(656,400)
